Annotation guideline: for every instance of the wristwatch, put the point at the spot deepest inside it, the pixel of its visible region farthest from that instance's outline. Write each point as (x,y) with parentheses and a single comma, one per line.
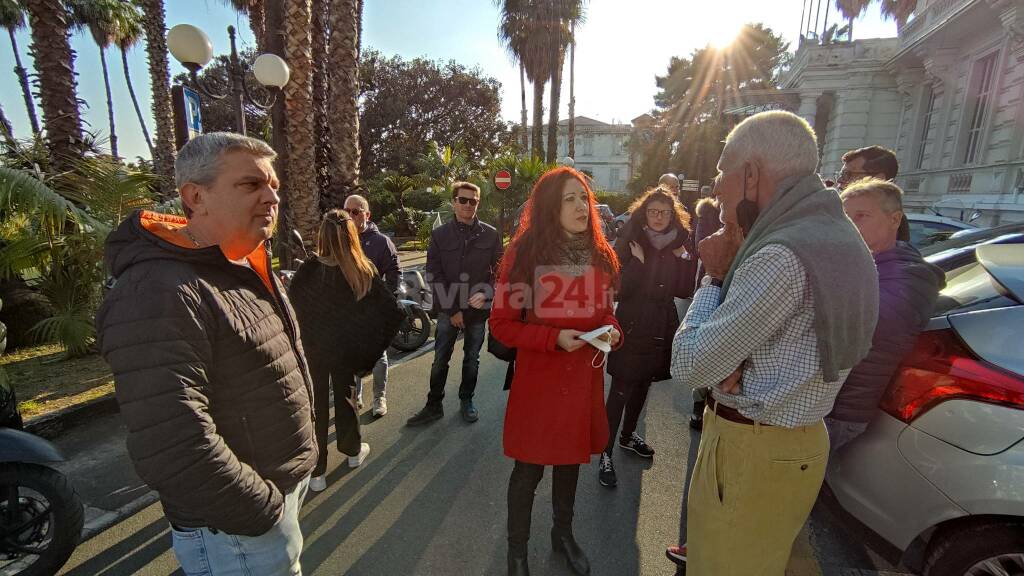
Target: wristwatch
(707,280)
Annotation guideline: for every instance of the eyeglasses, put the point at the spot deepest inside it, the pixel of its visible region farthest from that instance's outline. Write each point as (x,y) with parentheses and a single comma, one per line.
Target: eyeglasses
(465,200)
(655,213)
(354,211)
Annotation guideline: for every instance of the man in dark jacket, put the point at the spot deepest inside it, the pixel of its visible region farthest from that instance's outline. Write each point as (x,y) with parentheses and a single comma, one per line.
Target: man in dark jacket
(381,251)
(462,260)
(907,288)
(208,366)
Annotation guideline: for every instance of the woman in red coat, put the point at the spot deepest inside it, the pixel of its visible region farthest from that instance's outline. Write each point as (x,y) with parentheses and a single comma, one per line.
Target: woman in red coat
(555,284)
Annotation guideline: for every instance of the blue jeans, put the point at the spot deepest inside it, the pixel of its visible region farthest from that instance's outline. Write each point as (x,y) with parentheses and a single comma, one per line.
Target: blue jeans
(444,345)
(380,379)
(203,552)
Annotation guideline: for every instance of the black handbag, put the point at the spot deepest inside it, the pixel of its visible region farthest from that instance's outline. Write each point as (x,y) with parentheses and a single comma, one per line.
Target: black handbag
(500,350)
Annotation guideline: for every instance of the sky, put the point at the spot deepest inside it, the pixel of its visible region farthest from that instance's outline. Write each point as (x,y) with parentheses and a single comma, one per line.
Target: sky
(621,47)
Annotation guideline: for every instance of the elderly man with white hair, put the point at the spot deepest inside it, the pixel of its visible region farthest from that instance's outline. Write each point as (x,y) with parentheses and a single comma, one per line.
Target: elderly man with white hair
(787,307)
(670,181)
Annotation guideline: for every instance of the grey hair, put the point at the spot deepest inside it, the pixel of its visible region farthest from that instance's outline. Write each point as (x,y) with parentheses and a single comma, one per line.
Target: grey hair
(669,179)
(783,142)
(362,201)
(198,161)
(888,195)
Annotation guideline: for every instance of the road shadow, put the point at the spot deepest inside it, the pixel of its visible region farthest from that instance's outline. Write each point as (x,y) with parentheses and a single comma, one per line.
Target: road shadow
(131,555)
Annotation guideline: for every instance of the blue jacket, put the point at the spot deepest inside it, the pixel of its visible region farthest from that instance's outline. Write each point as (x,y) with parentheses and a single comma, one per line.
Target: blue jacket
(907,289)
(381,251)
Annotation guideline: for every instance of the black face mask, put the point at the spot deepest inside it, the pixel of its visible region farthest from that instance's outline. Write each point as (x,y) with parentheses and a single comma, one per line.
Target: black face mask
(747,210)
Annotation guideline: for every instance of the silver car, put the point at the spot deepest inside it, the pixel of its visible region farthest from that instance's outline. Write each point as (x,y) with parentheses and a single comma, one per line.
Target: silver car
(941,466)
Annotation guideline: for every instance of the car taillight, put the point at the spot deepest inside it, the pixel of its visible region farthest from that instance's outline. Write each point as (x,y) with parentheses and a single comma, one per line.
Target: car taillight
(942,368)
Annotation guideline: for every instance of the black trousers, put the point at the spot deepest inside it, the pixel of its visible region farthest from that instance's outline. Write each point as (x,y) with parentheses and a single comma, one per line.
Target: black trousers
(522,486)
(631,396)
(346,419)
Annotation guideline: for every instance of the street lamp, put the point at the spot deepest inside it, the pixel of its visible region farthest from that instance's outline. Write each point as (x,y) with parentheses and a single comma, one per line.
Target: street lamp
(192,47)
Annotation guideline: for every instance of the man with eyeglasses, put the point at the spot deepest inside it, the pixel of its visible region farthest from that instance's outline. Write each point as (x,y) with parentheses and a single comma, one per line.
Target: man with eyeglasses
(871,162)
(381,251)
(462,260)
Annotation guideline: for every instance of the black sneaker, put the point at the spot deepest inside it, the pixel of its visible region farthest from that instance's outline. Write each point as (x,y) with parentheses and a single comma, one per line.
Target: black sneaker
(637,444)
(425,416)
(606,471)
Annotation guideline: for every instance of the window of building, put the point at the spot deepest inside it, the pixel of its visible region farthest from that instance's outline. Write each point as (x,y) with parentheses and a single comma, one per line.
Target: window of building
(588,145)
(926,126)
(980,96)
(616,179)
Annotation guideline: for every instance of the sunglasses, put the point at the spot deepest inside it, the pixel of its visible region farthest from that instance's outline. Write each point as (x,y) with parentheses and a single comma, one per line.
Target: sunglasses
(354,211)
(464,200)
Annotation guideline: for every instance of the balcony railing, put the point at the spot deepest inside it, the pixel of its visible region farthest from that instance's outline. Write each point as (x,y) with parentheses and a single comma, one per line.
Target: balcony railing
(926,21)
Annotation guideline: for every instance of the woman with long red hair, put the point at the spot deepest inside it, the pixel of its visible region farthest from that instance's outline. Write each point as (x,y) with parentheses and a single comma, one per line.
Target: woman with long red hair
(555,285)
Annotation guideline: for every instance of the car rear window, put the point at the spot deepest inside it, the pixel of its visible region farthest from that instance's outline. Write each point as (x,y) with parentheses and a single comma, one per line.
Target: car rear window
(968,289)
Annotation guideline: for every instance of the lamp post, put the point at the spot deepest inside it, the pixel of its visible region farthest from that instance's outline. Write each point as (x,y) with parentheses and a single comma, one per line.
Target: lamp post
(192,48)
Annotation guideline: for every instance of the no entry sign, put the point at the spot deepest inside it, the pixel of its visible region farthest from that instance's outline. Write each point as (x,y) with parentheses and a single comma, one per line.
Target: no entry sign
(503,179)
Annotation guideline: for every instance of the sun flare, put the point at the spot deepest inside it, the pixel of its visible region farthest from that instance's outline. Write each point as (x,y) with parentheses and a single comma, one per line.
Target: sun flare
(722,32)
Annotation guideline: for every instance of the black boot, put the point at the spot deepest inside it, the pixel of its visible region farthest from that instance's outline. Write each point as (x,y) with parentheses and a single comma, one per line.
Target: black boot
(522,486)
(563,501)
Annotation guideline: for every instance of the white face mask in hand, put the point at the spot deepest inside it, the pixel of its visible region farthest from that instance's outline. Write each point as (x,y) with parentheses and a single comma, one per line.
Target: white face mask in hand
(597,339)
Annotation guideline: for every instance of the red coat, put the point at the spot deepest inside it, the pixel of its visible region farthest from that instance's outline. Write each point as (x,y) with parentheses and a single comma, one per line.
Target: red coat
(555,412)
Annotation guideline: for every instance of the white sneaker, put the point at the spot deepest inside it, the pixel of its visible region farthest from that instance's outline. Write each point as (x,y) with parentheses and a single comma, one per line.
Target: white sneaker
(355,461)
(380,407)
(317,483)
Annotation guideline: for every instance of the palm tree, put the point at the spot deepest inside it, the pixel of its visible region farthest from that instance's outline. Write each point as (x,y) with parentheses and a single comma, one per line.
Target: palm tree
(572,91)
(12,18)
(101,19)
(256,11)
(55,63)
(898,10)
(345,25)
(560,18)
(5,127)
(304,197)
(129,32)
(160,81)
(522,89)
(321,96)
(524,36)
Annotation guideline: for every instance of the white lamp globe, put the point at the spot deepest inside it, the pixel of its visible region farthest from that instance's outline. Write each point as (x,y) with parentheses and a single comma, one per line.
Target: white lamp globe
(271,70)
(567,161)
(190,45)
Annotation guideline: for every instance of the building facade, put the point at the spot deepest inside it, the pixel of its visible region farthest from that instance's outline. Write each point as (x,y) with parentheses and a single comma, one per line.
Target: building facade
(602,150)
(947,94)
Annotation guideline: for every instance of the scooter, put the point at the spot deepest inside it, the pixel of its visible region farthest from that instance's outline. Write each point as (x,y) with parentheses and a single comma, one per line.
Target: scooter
(41,515)
(415,327)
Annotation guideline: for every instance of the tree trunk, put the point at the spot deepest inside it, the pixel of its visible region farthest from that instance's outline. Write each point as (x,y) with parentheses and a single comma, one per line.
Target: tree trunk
(274,12)
(537,149)
(5,127)
(304,202)
(522,89)
(556,96)
(346,17)
(160,83)
(135,102)
(572,93)
(110,103)
(26,91)
(257,23)
(321,94)
(55,64)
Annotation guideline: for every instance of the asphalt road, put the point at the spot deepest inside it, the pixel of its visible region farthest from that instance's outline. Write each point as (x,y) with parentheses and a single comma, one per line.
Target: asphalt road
(431,501)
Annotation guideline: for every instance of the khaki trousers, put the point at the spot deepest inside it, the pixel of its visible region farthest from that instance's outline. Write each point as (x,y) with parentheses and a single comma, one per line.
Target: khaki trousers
(753,488)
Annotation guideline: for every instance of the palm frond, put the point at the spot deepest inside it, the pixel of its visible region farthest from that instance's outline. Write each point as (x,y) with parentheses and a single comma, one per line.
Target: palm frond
(12,15)
(108,189)
(22,254)
(22,191)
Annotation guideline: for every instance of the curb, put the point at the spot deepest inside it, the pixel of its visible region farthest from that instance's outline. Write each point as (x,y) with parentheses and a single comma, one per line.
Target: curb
(99,524)
(52,425)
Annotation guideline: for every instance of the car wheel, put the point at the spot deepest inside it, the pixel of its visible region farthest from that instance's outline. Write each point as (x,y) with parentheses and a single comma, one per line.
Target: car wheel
(992,549)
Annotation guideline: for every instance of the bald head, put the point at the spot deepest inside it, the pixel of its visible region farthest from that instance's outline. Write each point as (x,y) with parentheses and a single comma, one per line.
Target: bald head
(669,181)
(359,209)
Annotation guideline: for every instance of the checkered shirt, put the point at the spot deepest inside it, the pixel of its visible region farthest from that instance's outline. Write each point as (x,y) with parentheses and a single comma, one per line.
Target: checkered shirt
(765,325)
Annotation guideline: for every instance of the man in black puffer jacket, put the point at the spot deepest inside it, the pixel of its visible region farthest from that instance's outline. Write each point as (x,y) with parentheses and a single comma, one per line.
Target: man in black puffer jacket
(907,289)
(208,366)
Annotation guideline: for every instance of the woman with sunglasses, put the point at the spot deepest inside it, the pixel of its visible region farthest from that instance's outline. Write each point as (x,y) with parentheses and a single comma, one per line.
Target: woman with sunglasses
(554,285)
(347,317)
(657,268)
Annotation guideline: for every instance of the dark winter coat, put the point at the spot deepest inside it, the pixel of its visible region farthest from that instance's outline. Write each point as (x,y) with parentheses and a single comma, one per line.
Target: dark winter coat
(709,221)
(461,261)
(210,377)
(336,327)
(381,251)
(647,310)
(907,289)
